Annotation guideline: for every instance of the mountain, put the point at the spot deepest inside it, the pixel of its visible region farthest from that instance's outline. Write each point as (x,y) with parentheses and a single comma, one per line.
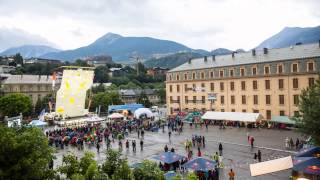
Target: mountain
(290,36)
(121,48)
(221,51)
(28,51)
(13,37)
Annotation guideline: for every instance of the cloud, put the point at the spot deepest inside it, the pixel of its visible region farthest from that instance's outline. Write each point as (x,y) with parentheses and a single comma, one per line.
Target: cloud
(206,24)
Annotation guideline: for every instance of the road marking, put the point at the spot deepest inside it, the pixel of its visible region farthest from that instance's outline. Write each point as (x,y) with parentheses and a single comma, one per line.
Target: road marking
(260,147)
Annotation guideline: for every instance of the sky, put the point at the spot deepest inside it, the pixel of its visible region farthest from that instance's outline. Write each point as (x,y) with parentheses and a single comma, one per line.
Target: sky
(199,24)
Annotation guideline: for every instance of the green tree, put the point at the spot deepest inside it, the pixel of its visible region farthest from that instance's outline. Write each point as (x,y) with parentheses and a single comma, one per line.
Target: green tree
(92,171)
(99,88)
(81,63)
(143,99)
(14,104)
(309,103)
(86,161)
(162,95)
(70,165)
(177,177)
(101,74)
(112,163)
(148,170)
(123,171)
(191,176)
(77,177)
(104,99)
(18,59)
(25,154)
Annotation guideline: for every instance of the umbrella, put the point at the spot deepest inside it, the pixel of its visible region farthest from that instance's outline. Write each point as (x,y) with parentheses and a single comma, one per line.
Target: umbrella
(200,164)
(37,123)
(169,157)
(170,174)
(308,165)
(310,152)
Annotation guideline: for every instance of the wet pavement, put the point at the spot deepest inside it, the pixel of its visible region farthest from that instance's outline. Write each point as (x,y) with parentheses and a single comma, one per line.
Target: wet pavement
(237,154)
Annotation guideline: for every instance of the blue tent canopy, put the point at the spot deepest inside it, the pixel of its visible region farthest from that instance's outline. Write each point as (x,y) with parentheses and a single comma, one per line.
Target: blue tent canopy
(129,107)
(308,165)
(169,157)
(170,174)
(37,123)
(200,164)
(310,152)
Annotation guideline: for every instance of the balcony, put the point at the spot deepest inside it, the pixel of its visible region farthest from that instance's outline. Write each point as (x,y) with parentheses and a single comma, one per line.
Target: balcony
(174,101)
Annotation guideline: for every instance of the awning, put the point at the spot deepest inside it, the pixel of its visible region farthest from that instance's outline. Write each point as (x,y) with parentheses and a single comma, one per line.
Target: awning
(115,116)
(271,166)
(282,119)
(129,107)
(232,116)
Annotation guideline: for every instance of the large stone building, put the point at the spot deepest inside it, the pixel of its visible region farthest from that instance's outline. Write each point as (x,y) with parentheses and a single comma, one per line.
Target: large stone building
(36,86)
(267,81)
(130,96)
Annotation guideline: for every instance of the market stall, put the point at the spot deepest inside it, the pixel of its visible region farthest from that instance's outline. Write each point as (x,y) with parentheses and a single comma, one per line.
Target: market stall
(115,117)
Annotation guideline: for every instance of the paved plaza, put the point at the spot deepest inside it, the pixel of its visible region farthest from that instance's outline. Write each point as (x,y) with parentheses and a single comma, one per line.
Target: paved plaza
(237,153)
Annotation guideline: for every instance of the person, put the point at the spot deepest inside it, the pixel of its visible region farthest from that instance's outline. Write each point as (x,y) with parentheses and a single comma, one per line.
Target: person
(166,148)
(138,133)
(255,156)
(134,145)
(231,174)
(259,155)
(169,133)
(291,143)
(98,147)
(286,142)
(163,128)
(220,149)
(141,145)
(142,133)
(248,136)
(251,141)
(127,144)
(199,152)
(216,157)
(203,142)
(120,146)
(172,150)
(297,143)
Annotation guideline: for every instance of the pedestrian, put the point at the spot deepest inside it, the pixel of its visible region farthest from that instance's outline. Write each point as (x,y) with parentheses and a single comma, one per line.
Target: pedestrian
(255,156)
(127,145)
(259,155)
(169,134)
(138,133)
(120,146)
(163,128)
(248,136)
(251,141)
(98,147)
(199,152)
(297,143)
(291,143)
(166,148)
(141,145)
(231,174)
(203,142)
(172,150)
(133,146)
(142,133)
(220,149)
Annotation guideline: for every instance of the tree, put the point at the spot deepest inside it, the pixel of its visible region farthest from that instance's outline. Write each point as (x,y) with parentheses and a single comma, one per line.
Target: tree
(148,170)
(42,103)
(162,95)
(14,104)
(308,120)
(18,59)
(99,88)
(191,176)
(104,99)
(70,165)
(143,99)
(101,74)
(81,63)
(123,171)
(92,171)
(25,154)
(86,161)
(112,163)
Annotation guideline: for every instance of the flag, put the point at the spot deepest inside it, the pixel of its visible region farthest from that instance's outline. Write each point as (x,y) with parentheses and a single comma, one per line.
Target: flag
(41,115)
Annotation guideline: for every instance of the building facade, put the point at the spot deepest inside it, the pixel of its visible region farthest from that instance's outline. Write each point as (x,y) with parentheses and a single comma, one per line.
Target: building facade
(130,96)
(35,86)
(267,81)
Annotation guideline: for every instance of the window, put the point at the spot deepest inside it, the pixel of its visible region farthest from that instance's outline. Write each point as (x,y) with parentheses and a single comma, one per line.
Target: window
(170,88)
(202,75)
(193,75)
(255,85)
(171,99)
(212,86)
(268,99)
(280,69)
(281,99)
(231,72)
(233,110)
(203,99)
(241,72)
(221,86)
(203,85)
(233,100)
(221,73)
(268,114)
(178,99)
(295,83)
(255,111)
(255,99)
(296,99)
(194,99)
(295,67)
(178,88)
(222,110)
(211,74)
(194,87)
(243,85)
(281,113)
(185,76)
(243,99)
(222,99)
(185,87)
(244,110)
(254,71)
(267,84)
(296,113)
(310,66)
(170,78)
(231,86)
(266,70)
(311,82)
(178,77)
(280,83)
(186,99)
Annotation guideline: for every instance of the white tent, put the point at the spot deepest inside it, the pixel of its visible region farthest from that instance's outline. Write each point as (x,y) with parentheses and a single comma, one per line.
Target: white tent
(94,119)
(271,166)
(232,116)
(115,116)
(143,111)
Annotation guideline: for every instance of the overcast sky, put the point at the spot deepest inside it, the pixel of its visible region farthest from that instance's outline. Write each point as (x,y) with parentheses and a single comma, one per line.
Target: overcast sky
(205,24)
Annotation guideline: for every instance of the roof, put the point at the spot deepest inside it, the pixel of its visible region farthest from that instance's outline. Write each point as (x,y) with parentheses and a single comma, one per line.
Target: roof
(130,107)
(292,52)
(282,119)
(232,116)
(29,79)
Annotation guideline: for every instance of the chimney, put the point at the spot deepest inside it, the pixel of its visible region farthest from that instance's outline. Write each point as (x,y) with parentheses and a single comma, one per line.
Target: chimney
(205,58)
(265,50)
(253,52)
(214,56)
(189,61)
